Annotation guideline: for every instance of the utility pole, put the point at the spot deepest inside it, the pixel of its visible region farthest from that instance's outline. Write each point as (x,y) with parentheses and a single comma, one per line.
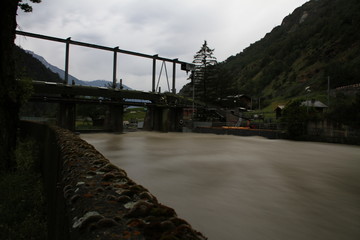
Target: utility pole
(192,76)
(328,92)
(259,102)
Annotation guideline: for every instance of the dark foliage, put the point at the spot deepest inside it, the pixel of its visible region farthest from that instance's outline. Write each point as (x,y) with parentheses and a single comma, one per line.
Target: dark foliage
(11,90)
(26,66)
(23,205)
(25,6)
(294,117)
(346,110)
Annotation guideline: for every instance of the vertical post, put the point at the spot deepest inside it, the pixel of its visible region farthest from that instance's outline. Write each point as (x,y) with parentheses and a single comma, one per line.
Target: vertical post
(67,50)
(116,116)
(67,116)
(193,94)
(174,76)
(328,92)
(114,67)
(121,85)
(154,73)
(259,102)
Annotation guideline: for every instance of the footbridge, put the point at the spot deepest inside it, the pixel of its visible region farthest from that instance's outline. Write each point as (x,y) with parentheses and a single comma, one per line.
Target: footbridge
(164,110)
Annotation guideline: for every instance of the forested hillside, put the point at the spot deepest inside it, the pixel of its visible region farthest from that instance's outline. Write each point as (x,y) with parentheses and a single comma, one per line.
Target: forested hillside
(28,67)
(318,40)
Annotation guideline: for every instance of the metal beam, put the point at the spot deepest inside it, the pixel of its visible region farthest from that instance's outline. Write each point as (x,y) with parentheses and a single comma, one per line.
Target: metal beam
(66,77)
(115,67)
(174,77)
(154,73)
(34,35)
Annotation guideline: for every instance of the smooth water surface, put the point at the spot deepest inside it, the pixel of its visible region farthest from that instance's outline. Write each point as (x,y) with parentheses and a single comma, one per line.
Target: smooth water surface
(233,188)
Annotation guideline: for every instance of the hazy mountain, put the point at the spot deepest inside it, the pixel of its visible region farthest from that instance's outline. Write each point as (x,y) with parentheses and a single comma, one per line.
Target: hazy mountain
(27,60)
(29,67)
(54,69)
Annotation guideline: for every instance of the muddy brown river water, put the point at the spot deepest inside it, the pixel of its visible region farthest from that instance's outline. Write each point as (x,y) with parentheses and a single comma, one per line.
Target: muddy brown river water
(233,188)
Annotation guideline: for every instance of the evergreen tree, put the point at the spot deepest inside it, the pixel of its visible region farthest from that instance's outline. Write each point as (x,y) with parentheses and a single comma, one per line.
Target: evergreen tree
(203,60)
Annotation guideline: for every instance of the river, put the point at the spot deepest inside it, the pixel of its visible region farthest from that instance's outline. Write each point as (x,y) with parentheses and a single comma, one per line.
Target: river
(231,187)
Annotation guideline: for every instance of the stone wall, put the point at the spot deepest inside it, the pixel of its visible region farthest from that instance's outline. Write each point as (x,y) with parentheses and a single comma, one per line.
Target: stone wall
(90,198)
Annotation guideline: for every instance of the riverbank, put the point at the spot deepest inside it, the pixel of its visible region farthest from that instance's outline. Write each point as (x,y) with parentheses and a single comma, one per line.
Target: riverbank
(90,198)
(241,131)
(313,136)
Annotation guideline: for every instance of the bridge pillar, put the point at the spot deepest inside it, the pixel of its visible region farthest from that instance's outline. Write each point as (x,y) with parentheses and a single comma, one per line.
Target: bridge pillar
(175,119)
(67,116)
(163,119)
(115,118)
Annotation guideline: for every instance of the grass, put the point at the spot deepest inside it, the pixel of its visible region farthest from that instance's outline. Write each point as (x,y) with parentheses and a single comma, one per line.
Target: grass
(22,202)
(130,115)
(134,113)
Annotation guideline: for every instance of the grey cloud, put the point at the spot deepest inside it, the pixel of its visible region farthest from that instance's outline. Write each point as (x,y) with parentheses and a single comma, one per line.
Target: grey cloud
(170,28)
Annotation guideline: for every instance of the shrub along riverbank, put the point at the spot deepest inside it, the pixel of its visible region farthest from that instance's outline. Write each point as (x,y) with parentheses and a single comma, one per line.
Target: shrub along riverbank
(22,201)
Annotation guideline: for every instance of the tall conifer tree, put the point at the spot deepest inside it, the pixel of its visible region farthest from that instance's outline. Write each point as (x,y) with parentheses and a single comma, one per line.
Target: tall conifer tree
(203,61)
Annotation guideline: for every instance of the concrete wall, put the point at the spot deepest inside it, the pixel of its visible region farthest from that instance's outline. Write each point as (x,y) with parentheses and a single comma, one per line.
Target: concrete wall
(271,134)
(89,198)
(327,131)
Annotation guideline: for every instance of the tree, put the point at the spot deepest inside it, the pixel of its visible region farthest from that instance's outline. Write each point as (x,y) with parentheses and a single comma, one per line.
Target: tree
(10,93)
(203,61)
(295,117)
(25,6)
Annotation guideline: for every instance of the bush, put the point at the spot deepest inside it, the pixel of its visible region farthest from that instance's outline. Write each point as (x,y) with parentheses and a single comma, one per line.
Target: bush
(295,117)
(22,202)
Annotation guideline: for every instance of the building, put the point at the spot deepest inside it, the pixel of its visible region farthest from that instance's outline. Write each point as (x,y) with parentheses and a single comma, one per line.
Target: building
(278,110)
(315,104)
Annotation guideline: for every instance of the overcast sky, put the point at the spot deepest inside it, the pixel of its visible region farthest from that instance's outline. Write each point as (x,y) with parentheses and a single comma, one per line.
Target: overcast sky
(170,28)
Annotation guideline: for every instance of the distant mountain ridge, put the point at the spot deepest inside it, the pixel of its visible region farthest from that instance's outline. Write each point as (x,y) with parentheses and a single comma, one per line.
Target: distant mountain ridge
(25,63)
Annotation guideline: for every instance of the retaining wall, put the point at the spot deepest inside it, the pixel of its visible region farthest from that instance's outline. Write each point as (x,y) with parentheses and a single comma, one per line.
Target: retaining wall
(90,198)
(271,134)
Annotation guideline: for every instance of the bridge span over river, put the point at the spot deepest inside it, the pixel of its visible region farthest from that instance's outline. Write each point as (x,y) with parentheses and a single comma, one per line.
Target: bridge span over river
(164,109)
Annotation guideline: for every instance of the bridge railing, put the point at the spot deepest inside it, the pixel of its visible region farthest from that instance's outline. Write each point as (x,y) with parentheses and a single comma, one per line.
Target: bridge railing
(184,65)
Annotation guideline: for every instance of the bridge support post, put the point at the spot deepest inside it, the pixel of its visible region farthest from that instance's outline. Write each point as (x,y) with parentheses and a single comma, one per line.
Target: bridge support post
(163,119)
(67,116)
(175,122)
(115,118)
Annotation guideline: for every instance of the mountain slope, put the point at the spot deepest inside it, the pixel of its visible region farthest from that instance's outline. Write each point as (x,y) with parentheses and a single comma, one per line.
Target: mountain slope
(54,69)
(27,66)
(36,67)
(318,40)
